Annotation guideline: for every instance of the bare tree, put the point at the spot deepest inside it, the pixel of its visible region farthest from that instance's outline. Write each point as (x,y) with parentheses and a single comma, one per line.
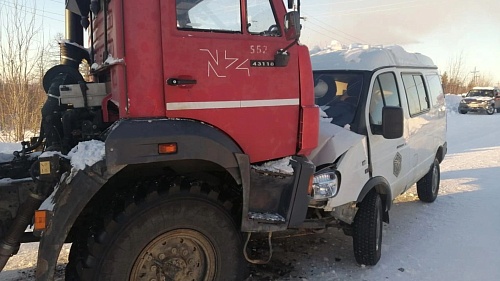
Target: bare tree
(480,81)
(456,75)
(21,69)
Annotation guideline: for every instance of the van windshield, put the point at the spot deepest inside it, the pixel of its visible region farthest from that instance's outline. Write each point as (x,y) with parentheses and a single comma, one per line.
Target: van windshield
(337,94)
(480,93)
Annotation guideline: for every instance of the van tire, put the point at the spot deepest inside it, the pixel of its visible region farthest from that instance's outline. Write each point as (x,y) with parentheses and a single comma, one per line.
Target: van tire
(367,230)
(428,186)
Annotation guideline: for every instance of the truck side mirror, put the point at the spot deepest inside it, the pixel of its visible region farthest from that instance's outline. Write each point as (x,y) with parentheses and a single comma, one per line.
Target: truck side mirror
(392,122)
(292,25)
(290,4)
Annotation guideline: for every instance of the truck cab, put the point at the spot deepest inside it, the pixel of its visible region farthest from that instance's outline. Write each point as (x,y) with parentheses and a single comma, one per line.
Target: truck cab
(191,131)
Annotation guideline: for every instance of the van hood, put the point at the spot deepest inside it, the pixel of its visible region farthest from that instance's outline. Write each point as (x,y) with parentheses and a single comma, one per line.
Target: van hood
(471,99)
(333,141)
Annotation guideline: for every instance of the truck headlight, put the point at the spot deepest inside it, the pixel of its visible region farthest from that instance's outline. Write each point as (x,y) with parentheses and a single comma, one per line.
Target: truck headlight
(325,185)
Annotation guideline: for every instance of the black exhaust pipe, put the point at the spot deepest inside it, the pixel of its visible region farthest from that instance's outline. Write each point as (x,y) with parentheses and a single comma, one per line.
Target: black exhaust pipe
(72,54)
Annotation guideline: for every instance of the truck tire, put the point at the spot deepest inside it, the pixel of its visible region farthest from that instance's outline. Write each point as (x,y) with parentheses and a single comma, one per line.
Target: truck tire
(490,109)
(428,186)
(462,111)
(184,236)
(367,230)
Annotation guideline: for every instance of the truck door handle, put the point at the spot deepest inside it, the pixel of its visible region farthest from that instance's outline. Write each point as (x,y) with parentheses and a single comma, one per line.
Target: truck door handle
(180,82)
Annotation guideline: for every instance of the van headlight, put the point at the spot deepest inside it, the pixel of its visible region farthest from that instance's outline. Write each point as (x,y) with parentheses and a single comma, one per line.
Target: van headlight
(325,185)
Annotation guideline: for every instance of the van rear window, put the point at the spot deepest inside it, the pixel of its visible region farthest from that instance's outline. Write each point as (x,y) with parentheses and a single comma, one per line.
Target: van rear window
(416,94)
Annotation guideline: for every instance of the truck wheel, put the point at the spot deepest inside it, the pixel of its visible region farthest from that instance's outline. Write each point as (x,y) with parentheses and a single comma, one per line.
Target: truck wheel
(490,109)
(170,237)
(462,111)
(74,257)
(498,110)
(428,186)
(367,230)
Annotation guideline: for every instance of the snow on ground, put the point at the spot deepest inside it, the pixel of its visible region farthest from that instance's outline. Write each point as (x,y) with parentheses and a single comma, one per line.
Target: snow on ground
(454,238)
(6,150)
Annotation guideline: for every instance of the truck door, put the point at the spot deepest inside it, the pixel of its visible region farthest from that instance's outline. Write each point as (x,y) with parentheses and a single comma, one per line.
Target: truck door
(389,158)
(218,64)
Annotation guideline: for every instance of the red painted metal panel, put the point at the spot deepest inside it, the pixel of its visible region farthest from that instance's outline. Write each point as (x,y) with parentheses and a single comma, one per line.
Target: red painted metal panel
(220,63)
(259,107)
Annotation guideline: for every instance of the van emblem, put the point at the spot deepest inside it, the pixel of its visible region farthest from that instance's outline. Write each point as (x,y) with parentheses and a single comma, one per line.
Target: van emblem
(397,164)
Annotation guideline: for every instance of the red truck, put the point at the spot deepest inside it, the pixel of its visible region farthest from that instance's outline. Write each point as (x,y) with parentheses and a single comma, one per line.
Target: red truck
(189,99)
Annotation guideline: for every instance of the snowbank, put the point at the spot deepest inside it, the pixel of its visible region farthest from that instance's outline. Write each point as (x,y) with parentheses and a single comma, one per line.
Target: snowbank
(6,150)
(452,102)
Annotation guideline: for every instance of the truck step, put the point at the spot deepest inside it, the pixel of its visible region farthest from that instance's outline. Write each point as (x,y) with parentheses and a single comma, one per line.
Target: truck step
(266,217)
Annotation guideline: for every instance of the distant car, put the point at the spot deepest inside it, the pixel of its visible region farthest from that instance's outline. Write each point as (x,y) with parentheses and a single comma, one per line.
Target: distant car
(485,99)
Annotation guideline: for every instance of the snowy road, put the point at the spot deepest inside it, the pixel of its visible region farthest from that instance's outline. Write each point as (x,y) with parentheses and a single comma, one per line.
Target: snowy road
(455,238)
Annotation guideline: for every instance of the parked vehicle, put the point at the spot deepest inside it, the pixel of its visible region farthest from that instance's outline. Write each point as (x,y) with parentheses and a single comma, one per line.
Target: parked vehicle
(180,100)
(483,99)
(383,129)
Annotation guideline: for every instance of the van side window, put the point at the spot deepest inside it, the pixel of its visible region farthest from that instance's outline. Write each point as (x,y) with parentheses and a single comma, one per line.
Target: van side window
(260,19)
(384,93)
(209,15)
(416,94)
(435,89)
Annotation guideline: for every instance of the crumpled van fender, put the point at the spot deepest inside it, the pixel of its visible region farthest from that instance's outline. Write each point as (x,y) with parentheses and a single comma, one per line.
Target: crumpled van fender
(382,187)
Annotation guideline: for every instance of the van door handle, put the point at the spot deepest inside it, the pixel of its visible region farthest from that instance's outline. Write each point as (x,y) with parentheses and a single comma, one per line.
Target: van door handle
(401,145)
(180,82)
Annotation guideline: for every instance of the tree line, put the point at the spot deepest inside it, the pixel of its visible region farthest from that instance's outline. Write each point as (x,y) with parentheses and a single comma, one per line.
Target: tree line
(24,58)
(458,79)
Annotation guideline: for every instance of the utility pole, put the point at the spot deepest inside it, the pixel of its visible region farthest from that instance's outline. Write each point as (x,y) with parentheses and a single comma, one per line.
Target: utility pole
(475,76)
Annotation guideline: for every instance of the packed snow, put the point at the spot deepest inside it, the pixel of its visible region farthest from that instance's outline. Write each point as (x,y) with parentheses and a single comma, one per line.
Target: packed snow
(454,238)
(109,61)
(280,166)
(365,57)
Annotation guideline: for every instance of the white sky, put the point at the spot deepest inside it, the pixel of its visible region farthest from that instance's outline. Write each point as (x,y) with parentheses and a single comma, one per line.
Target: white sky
(441,29)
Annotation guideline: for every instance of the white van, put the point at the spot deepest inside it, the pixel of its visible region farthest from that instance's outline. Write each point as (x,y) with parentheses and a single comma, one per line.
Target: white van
(382,129)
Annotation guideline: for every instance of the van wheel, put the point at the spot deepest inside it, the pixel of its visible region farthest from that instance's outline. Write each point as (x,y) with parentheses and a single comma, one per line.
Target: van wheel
(462,111)
(490,110)
(168,237)
(367,230)
(428,186)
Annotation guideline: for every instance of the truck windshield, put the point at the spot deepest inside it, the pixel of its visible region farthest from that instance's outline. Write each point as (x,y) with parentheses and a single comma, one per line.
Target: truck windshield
(480,93)
(337,94)
(209,15)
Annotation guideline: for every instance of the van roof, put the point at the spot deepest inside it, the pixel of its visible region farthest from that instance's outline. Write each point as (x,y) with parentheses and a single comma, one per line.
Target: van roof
(365,57)
(485,88)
